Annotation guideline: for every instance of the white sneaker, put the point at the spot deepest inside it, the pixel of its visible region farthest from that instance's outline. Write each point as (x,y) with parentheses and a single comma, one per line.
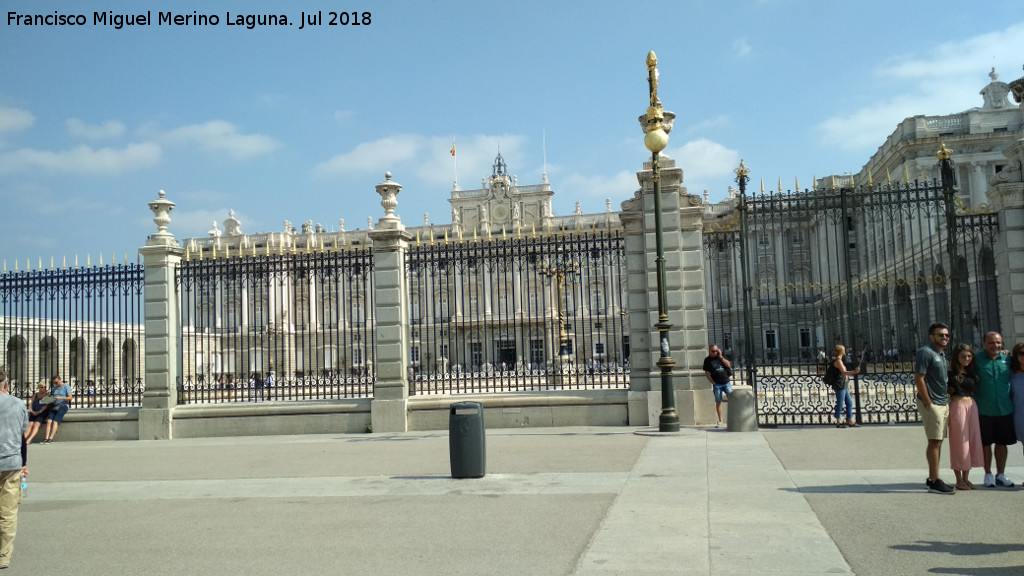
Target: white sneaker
(990,481)
(1002,480)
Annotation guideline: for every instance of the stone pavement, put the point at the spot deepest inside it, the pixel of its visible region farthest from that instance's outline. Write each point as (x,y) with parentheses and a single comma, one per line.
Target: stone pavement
(565,501)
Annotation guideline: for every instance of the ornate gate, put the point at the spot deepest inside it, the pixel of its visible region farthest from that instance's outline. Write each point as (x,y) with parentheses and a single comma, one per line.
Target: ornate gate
(870,267)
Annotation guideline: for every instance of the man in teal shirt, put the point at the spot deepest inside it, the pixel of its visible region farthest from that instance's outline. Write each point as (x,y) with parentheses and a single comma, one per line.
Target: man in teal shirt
(995,409)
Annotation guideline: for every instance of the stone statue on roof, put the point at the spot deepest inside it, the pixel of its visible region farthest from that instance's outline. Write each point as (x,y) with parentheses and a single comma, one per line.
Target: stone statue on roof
(995,93)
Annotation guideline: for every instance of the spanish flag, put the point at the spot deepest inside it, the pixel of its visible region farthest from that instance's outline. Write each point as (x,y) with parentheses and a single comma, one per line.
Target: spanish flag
(453,147)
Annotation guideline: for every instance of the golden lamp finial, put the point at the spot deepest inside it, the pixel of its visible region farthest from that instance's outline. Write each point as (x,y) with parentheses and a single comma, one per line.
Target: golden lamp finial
(652,78)
(944,153)
(742,171)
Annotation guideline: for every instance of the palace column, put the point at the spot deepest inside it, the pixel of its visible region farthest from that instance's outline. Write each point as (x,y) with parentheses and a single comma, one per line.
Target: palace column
(1006,195)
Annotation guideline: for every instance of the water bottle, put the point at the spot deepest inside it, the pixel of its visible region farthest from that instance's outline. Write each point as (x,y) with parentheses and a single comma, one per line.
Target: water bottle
(24,485)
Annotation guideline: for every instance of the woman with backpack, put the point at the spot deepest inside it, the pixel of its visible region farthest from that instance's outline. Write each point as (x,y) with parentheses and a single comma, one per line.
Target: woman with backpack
(841,386)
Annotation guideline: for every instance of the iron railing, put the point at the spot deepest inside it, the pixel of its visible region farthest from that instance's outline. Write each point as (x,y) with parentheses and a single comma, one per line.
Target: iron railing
(295,326)
(513,314)
(865,267)
(82,324)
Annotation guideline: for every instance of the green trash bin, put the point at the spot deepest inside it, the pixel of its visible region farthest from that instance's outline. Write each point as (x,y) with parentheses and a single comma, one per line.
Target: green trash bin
(466,440)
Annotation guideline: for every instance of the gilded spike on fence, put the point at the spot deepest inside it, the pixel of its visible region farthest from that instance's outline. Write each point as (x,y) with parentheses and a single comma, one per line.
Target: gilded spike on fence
(796,180)
(446,236)
(762,186)
(125,256)
(88,260)
(851,181)
(254,249)
(780,184)
(833,181)
(51,262)
(533,230)
(814,181)
(64,263)
(5,266)
(40,267)
(417,237)
(870,182)
(906,174)
(888,179)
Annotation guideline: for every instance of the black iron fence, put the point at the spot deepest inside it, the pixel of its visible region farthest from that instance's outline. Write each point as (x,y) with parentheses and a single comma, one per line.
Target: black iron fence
(294,326)
(524,313)
(868,267)
(84,325)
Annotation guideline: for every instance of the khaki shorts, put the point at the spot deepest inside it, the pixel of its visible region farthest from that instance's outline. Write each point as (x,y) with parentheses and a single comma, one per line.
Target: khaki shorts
(935,419)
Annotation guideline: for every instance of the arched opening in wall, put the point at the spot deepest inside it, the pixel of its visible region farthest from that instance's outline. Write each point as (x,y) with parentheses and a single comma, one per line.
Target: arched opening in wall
(78,356)
(924,313)
(906,325)
(129,363)
(988,291)
(49,358)
(969,317)
(941,294)
(17,361)
(105,362)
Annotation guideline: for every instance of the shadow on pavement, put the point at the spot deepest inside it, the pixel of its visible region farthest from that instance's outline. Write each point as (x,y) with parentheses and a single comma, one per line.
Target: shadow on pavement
(962,549)
(901,488)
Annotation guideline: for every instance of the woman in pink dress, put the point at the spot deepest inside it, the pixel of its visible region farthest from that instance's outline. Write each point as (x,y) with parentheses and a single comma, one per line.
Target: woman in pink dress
(965,451)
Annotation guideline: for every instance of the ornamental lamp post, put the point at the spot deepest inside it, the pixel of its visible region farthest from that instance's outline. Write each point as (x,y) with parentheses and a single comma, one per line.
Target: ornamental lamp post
(945,156)
(742,178)
(656,124)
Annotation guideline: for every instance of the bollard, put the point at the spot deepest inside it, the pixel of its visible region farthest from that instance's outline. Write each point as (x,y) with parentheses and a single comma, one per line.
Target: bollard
(742,416)
(466,440)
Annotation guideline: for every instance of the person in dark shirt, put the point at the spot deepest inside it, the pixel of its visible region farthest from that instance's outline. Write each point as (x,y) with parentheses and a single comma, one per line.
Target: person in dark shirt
(965,450)
(718,371)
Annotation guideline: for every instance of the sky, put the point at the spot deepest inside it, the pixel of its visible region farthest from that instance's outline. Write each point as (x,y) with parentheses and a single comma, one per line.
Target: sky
(300,122)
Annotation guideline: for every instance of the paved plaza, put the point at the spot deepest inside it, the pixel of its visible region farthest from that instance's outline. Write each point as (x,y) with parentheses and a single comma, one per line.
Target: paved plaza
(555,501)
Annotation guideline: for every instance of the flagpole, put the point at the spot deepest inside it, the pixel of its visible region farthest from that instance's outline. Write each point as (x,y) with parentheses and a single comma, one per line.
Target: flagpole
(455,185)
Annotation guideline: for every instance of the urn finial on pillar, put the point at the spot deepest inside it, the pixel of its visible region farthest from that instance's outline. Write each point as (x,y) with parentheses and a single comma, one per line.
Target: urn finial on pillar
(388,191)
(161,208)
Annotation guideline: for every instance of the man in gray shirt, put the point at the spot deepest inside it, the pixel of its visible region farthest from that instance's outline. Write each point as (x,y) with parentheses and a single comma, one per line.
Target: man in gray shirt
(13,425)
(931,380)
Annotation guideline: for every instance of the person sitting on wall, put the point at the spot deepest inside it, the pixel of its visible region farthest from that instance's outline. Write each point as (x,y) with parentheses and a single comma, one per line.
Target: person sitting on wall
(61,393)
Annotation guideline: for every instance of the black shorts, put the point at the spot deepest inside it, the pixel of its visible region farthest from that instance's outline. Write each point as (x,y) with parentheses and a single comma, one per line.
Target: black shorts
(997,430)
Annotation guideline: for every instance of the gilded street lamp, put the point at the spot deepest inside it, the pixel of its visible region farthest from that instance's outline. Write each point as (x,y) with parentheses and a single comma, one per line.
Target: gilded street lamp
(558,270)
(657,123)
(742,177)
(953,275)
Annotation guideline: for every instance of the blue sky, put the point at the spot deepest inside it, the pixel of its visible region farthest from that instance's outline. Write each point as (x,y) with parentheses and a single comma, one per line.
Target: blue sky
(278,123)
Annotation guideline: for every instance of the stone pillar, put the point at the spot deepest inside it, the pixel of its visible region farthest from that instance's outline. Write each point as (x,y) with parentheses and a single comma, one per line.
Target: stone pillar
(682,223)
(389,408)
(161,256)
(1006,195)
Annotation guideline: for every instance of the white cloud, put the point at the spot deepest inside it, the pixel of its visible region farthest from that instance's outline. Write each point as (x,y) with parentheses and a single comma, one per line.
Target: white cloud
(428,158)
(82,159)
(109,129)
(617,187)
(15,119)
(703,161)
(946,80)
(741,47)
(221,136)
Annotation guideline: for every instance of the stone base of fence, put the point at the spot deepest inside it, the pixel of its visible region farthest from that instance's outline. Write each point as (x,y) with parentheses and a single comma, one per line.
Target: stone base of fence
(694,408)
(525,410)
(96,424)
